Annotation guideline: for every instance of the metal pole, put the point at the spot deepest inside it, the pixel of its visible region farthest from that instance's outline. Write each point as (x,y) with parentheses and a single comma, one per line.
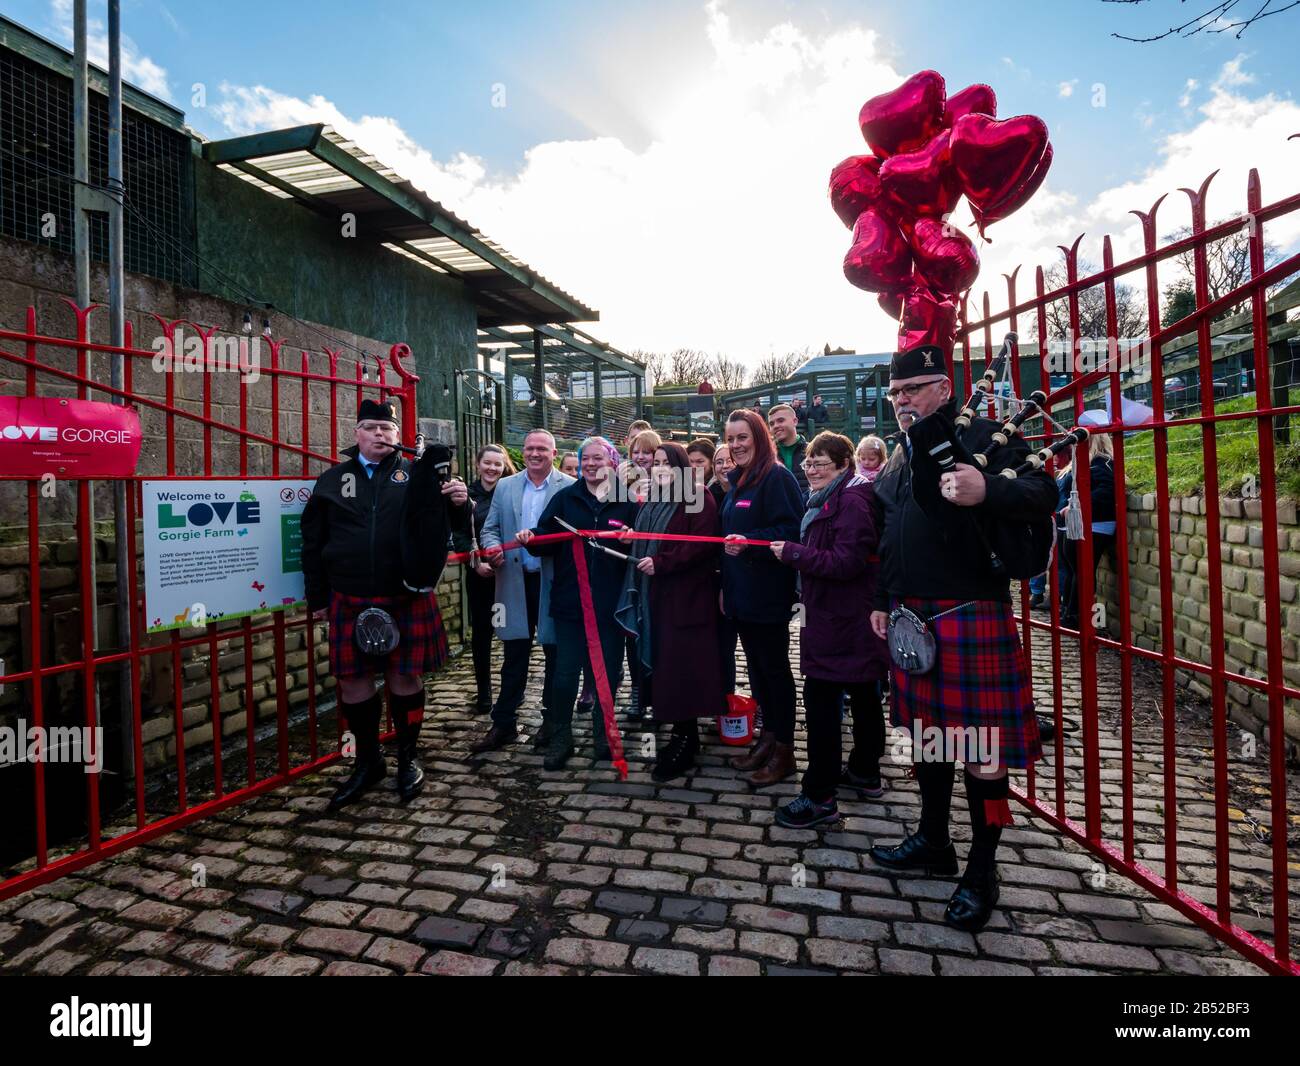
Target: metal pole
(80,153)
(122,536)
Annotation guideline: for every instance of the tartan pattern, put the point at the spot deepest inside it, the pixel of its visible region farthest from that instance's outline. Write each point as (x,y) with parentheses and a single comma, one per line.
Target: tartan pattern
(422,649)
(979,679)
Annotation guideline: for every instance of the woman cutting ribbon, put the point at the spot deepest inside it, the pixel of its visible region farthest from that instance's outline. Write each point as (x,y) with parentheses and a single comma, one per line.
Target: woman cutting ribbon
(669,605)
(591,503)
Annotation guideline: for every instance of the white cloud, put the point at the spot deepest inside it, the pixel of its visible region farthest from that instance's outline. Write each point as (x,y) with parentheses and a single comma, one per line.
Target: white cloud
(139,70)
(1186,99)
(718,235)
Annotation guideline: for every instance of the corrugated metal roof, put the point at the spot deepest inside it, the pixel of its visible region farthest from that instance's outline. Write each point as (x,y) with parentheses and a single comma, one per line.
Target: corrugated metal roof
(322,169)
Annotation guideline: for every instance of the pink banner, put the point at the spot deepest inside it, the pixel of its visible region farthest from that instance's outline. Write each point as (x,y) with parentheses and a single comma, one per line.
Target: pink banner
(42,435)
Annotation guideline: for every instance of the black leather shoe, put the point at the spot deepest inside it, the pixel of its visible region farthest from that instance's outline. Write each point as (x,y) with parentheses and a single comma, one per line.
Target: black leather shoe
(410,775)
(483,708)
(917,853)
(972,904)
(542,737)
(1046,727)
(559,749)
(494,739)
(364,777)
(677,757)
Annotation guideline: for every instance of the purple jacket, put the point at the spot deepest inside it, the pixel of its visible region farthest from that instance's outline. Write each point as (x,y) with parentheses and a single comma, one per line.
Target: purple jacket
(838,565)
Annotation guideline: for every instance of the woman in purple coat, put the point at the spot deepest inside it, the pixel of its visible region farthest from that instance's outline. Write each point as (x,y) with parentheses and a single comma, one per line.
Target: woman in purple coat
(839,653)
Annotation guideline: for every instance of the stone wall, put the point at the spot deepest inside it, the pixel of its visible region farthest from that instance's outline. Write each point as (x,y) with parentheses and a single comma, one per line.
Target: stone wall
(30,275)
(1244,624)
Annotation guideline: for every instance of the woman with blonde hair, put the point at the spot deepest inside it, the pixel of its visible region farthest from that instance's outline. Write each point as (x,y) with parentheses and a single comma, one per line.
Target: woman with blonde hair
(871,456)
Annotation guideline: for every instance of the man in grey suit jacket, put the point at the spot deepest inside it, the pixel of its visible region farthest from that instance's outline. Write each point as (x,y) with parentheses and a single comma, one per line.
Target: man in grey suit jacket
(523,593)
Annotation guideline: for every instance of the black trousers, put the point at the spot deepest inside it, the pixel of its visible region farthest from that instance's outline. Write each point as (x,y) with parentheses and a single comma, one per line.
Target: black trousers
(1102,544)
(482,595)
(822,703)
(767,654)
(514,668)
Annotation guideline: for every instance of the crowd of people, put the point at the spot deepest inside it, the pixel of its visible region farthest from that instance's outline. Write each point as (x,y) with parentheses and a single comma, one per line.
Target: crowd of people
(711,545)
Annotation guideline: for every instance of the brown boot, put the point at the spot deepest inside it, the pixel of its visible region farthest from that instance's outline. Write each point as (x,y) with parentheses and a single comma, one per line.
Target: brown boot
(757,755)
(779,766)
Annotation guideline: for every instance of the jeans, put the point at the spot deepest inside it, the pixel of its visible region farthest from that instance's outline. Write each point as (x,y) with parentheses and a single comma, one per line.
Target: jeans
(822,705)
(514,668)
(767,653)
(570,659)
(1102,544)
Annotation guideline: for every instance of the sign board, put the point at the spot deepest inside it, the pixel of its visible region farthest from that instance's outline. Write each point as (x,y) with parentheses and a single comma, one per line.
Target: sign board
(42,435)
(221,549)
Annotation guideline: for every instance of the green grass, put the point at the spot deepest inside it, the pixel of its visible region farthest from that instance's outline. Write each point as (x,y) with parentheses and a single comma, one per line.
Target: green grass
(1237,442)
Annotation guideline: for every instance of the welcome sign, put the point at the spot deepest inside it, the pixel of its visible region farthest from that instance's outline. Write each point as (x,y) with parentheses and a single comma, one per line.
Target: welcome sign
(221,549)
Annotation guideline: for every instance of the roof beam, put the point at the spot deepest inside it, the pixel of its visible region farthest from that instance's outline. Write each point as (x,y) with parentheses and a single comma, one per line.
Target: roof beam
(257,145)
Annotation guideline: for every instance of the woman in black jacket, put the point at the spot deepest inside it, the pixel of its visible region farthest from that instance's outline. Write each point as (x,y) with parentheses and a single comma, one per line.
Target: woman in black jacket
(593,502)
(492,463)
(758,592)
(1101,493)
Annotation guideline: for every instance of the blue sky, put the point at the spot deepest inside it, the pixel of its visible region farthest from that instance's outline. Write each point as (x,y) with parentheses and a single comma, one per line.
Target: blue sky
(615,83)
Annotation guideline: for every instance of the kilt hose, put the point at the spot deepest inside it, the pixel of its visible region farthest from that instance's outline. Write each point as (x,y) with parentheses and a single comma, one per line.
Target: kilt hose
(422,648)
(979,680)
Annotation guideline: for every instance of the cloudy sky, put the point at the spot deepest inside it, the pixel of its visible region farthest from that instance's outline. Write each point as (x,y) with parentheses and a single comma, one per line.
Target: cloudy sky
(666,160)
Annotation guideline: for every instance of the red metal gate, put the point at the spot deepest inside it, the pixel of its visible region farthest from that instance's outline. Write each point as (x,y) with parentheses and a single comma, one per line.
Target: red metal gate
(287,396)
(1119,850)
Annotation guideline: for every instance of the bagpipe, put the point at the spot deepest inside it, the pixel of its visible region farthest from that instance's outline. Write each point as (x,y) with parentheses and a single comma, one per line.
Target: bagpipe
(1014,549)
(425,522)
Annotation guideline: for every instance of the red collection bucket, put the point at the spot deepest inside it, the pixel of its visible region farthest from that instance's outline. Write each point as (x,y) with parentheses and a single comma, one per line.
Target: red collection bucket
(736,727)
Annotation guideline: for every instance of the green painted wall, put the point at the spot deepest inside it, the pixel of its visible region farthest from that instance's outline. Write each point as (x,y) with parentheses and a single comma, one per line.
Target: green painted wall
(300,262)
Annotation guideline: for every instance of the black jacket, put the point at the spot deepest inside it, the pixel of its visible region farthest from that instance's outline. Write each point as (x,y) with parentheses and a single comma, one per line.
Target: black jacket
(756,585)
(353,538)
(1101,488)
(577,506)
(800,451)
(928,560)
(480,499)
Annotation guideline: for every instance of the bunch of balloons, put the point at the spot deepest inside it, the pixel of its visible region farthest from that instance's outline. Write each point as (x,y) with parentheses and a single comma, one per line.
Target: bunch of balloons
(928,150)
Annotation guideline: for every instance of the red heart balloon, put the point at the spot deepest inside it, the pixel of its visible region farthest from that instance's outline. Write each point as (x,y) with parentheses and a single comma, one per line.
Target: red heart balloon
(927,320)
(922,182)
(1018,197)
(944,257)
(995,158)
(855,186)
(972,100)
(891,303)
(903,119)
(879,259)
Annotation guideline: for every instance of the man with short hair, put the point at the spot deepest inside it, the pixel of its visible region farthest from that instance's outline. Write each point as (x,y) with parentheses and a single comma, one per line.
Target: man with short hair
(817,415)
(790,446)
(939,575)
(633,431)
(357,555)
(523,592)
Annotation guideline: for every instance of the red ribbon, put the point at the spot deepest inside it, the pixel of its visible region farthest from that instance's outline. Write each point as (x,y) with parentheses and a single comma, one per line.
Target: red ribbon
(596,654)
(997,812)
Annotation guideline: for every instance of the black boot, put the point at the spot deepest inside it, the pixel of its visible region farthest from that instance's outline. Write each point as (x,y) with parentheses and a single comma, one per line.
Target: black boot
(679,753)
(977,893)
(363,722)
(929,848)
(408,715)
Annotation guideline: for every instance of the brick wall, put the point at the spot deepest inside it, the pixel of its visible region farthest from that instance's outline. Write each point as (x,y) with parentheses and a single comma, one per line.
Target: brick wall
(1244,626)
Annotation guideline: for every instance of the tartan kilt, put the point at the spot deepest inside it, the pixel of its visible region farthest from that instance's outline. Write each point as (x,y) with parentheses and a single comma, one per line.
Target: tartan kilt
(979,679)
(421,649)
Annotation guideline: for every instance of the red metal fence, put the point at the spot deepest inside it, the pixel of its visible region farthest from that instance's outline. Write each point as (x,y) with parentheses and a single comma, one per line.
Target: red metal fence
(1118,850)
(281,402)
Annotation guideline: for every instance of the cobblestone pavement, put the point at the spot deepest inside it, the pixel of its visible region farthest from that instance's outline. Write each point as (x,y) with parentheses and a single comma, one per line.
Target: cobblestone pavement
(503,868)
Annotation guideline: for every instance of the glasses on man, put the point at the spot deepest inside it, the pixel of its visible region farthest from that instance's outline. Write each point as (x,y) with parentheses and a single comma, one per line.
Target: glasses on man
(817,464)
(910,391)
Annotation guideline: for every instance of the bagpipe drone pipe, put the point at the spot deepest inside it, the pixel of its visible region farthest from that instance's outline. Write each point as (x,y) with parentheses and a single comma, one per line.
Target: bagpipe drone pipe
(425,520)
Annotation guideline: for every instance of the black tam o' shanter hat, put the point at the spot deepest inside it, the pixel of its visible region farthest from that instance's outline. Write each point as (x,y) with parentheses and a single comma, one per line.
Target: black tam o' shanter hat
(373,410)
(923,361)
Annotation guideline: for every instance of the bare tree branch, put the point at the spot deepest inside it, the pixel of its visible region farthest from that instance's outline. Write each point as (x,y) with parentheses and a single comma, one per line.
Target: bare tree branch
(1211,20)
